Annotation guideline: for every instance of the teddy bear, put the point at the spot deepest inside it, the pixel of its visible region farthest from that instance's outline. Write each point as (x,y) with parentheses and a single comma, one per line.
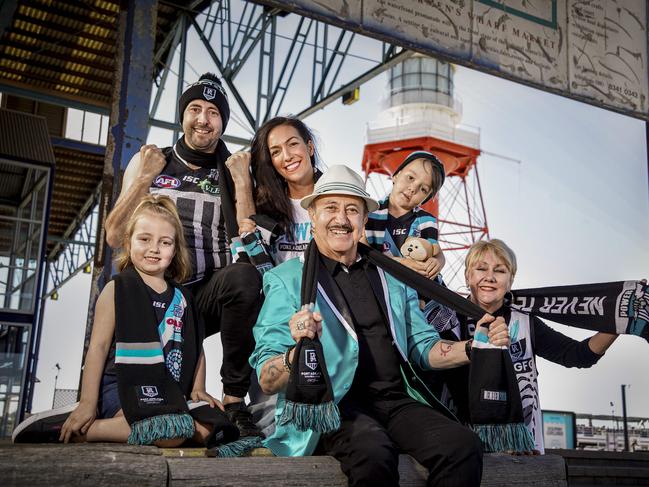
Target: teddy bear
(419,249)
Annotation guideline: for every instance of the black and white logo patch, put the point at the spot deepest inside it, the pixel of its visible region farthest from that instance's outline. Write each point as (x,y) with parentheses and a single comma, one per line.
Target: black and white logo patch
(149,396)
(149,391)
(209,93)
(310,359)
(517,349)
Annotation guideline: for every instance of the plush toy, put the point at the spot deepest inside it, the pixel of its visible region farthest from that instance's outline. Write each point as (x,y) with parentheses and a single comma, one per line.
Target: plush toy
(419,249)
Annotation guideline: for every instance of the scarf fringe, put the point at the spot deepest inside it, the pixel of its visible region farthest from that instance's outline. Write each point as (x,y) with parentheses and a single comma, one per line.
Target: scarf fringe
(163,427)
(237,448)
(321,418)
(508,437)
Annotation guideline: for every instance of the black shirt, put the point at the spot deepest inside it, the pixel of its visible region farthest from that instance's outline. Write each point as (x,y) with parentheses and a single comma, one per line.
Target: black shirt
(399,227)
(378,375)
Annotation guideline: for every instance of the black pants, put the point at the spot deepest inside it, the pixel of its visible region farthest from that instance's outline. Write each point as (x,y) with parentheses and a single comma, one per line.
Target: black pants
(370,440)
(230,301)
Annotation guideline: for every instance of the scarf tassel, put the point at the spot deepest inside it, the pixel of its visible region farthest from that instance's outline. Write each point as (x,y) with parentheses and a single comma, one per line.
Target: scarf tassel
(507,437)
(321,418)
(237,448)
(163,427)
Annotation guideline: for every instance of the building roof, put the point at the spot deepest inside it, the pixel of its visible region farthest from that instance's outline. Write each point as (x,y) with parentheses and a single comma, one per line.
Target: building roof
(24,137)
(65,53)
(68,49)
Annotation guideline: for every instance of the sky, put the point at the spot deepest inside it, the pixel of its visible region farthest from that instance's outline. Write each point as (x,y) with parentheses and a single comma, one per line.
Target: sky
(569,193)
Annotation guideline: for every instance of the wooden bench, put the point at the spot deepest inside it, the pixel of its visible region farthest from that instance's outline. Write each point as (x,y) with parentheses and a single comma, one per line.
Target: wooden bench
(113,465)
(586,468)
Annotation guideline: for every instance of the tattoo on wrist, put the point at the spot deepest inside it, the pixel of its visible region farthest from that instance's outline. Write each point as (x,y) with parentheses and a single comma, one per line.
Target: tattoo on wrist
(445,347)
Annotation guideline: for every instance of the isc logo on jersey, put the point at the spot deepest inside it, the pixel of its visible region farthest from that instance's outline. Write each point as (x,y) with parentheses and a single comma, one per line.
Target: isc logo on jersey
(164,181)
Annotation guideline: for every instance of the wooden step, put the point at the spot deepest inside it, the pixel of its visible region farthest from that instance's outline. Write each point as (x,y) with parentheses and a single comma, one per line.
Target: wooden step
(104,464)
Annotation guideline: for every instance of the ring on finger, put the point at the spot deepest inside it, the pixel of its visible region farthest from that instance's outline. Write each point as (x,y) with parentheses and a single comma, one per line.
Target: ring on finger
(300,325)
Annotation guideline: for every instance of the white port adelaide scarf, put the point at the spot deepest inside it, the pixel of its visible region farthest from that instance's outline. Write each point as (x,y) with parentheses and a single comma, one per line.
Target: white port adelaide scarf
(610,307)
(495,405)
(155,365)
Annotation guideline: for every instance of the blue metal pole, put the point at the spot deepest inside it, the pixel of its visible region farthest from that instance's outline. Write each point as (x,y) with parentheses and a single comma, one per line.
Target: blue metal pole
(29,379)
(129,118)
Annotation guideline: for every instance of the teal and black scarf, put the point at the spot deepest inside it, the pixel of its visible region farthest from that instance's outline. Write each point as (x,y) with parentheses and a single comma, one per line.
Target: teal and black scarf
(309,395)
(155,365)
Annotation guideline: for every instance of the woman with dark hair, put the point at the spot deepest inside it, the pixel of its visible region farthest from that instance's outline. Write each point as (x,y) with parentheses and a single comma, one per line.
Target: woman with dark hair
(283,158)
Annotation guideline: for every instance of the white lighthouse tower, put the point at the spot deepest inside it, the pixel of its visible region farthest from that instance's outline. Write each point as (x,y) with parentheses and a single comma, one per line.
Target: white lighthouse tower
(421,112)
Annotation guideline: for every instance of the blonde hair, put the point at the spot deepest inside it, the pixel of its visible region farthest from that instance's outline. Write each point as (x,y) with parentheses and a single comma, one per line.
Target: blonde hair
(179,269)
(500,250)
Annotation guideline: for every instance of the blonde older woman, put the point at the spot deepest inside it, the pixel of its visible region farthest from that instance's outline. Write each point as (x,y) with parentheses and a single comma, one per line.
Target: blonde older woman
(490,271)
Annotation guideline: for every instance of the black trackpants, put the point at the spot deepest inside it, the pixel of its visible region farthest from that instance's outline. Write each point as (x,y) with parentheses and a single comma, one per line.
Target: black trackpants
(230,300)
(370,440)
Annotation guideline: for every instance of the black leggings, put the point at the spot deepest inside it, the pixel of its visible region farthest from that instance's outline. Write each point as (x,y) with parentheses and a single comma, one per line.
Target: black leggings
(370,440)
(230,301)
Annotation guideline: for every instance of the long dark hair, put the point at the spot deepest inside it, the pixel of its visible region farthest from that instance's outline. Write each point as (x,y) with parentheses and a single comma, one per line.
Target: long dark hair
(271,191)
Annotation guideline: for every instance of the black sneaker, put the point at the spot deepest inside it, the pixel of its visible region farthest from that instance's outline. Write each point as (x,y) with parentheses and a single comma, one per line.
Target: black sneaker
(43,427)
(239,415)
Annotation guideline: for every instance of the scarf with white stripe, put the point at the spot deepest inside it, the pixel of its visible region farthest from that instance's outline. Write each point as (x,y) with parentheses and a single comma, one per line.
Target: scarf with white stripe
(153,384)
(156,364)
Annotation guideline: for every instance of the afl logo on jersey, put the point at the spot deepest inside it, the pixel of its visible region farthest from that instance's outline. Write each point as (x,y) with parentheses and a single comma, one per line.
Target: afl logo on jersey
(164,181)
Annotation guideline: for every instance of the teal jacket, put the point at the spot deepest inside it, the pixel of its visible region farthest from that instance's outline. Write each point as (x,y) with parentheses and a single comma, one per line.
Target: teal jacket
(413,336)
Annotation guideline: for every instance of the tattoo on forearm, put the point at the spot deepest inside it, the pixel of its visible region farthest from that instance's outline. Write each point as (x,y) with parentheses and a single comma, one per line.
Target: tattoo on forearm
(445,347)
(274,372)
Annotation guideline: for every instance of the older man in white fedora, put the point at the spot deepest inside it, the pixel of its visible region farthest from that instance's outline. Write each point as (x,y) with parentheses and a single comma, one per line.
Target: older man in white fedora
(374,337)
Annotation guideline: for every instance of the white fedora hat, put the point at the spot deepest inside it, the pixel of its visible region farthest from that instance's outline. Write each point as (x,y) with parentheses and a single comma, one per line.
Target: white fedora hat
(341,180)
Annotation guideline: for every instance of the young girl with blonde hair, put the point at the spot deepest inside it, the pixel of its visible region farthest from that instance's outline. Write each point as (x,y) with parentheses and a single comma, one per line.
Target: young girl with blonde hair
(145,358)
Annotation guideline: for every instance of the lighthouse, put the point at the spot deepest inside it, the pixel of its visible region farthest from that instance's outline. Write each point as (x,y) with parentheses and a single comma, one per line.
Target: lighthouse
(420,111)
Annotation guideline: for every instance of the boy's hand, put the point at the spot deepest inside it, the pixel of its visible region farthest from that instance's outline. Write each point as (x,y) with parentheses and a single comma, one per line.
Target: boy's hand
(433,267)
(200,395)
(79,421)
(415,265)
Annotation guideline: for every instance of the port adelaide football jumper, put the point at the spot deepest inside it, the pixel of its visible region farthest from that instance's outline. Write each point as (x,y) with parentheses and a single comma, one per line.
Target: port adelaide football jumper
(197,196)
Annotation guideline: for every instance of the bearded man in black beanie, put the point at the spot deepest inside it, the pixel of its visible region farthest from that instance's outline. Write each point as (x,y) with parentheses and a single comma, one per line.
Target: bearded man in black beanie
(193,173)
